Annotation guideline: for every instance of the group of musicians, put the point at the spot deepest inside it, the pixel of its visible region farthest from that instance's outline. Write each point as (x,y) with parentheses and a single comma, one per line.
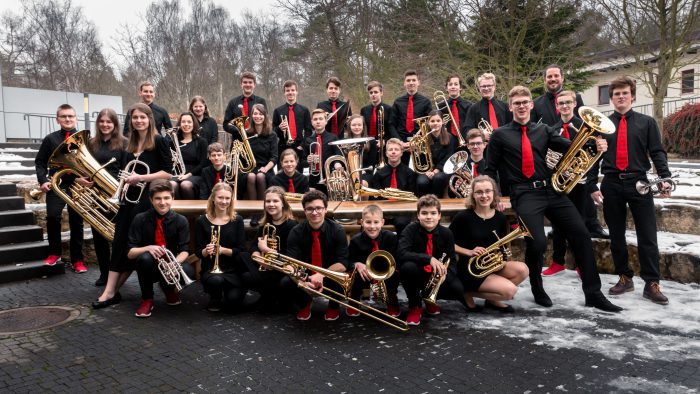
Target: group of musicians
(508,157)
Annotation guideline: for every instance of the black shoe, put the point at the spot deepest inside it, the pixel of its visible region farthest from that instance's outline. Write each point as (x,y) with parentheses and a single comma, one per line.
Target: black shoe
(600,233)
(103,304)
(254,222)
(502,309)
(100,281)
(599,301)
(541,298)
(214,305)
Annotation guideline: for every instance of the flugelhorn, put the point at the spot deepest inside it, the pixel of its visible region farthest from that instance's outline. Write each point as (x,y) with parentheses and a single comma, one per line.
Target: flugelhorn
(436,280)
(574,165)
(121,193)
(655,186)
(216,239)
(492,260)
(442,105)
(172,271)
(461,179)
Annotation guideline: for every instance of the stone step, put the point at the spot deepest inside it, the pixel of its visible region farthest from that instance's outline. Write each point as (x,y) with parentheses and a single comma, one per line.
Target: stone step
(19,234)
(21,150)
(26,251)
(677,216)
(29,270)
(21,217)
(16,170)
(10,203)
(8,189)
(19,145)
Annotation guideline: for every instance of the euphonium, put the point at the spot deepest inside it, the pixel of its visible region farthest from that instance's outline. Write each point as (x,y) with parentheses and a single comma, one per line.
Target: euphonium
(461,179)
(492,259)
(172,271)
(178,163)
(216,239)
(246,160)
(574,165)
(379,272)
(434,283)
(655,186)
(441,104)
(122,190)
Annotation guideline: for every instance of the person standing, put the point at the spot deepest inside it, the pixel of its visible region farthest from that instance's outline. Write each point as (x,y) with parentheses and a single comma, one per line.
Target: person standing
(407,109)
(291,122)
(242,105)
(161,118)
(334,103)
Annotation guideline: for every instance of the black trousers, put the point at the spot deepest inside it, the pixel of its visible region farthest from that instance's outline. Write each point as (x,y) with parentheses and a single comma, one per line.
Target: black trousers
(392,287)
(148,273)
(618,195)
(577,196)
(592,222)
(436,186)
(102,252)
(301,298)
(414,279)
(54,209)
(532,205)
(227,287)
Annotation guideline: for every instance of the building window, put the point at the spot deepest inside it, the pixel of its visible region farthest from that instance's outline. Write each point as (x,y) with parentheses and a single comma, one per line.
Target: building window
(687,81)
(603,95)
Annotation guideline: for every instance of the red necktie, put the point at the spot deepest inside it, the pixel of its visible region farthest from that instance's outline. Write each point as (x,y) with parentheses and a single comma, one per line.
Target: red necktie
(160,235)
(409,115)
(493,120)
(429,245)
(292,123)
(66,136)
(621,158)
(218,177)
(373,123)
(245,111)
(393,184)
(316,257)
(290,189)
(319,141)
(565,131)
(528,165)
(455,113)
(474,173)
(375,245)
(334,121)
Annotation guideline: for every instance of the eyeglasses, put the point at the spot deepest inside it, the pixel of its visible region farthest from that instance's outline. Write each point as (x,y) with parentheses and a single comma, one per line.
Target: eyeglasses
(312,210)
(483,192)
(486,86)
(66,116)
(475,144)
(517,104)
(565,103)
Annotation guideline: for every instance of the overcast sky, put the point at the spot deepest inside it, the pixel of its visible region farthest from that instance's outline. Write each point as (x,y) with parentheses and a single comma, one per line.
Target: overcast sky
(109,15)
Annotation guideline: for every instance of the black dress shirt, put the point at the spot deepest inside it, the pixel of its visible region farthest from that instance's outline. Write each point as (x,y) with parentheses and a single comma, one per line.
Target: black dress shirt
(194,155)
(326,150)
(209,130)
(341,116)
(405,178)
(545,109)
(41,161)
(389,131)
(300,181)
(440,152)
(461,115)
(302,119)
(104,154)
(175,228)
(209,180)
(231,235)
(361,245)
(414,239)
(334,244)
(233,111)
(480,110)
(264,149)
(283,231)
(421,107)
(161,119)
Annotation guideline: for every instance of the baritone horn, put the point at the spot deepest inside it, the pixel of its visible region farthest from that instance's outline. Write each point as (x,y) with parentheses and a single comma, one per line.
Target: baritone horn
(442,105)
(172,271)
(576,162)
(246,159)
(492,260)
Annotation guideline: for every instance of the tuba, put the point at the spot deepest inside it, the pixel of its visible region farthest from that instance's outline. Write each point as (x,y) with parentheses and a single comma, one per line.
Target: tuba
(461,179)
(576,162)
(215,239)
(178,163)
(433,287)
(297,270)
(380,266)
(172,271)
(246,159)
(442,105)
(93,204)
(492,259)
(655,186)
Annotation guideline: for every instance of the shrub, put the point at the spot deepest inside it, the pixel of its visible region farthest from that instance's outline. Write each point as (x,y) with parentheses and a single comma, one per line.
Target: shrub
(682,131)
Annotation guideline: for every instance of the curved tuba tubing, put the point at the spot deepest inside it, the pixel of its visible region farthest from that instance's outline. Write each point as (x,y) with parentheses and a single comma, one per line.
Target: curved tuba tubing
(172,271)
(380,272)
(492,259)
(441,104)
(574,165)
(461,179)
(296,269)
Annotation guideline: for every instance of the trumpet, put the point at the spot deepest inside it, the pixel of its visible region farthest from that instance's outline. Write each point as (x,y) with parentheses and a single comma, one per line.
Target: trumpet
(246,159)
(297,270)
(178,163)
(273,240)
(460,181)
(485,128)
(215,239)
(655,186)
(434,283)
(123,188)
(442,105)
(288,133)
(379,272)
(172,271)
(492,259)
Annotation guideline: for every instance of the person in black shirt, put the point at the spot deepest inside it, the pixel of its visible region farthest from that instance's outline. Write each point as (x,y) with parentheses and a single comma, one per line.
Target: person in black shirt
(627,161)
(106,145)
(209,130)
(495,112)
(442,146)
(152,232)
(336,121)
(473,231)
(263,143)
(476,144)
(149,147)
(243,104)
(421,245)
(291,122)
(194,154)
(161,118)
(355,128)
(458,106)
(289,178)
(518,149)
(322,151)
(371,113)
(320,242)
(407,109)
(372,238)
(66,118)
(226,289)
(213,173)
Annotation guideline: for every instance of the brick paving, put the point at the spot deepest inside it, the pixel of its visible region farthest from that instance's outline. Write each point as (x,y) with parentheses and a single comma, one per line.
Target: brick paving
(187,349)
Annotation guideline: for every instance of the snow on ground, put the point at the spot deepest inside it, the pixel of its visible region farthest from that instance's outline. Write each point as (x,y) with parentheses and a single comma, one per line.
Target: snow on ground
(643,330)
(636,383)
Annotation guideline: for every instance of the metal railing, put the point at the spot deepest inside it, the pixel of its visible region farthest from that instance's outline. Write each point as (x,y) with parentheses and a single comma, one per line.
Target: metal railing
(39,125)
(670,106)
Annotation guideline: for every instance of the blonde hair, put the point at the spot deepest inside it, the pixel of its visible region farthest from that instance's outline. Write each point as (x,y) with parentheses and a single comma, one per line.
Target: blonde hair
(470,203)
(211,209)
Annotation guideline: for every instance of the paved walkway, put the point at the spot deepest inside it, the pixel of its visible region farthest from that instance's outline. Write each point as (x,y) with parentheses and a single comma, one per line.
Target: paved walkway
(187,349)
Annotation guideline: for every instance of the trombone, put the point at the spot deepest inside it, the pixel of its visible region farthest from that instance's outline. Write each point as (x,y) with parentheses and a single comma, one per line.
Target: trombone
(380,135)
(441,105)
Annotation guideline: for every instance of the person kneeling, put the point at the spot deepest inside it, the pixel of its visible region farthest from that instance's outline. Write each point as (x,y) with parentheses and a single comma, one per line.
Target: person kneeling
(151,233)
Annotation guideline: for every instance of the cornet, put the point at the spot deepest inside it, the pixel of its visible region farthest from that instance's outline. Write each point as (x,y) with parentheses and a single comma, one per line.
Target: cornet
(442,105)
(433,287)
(485,128)
(172,271)
(315,165)
(656,186)
(272,240)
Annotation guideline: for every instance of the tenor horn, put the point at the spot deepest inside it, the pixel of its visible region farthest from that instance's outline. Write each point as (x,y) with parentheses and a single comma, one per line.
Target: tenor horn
(492,260)
(246,159)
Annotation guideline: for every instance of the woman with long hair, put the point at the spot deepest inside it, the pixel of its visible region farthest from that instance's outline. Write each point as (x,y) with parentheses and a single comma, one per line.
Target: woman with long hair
(209,130)
(442,146)
(263,143)
(193,149)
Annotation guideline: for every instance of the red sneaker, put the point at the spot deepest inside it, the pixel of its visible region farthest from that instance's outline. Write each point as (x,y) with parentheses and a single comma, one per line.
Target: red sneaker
(172,297)
(52,260)
(393,310)
(414,314)
(432,309)
(352,312)
(79,267)
(554,268)
(333,314)
(144,309)
(304,313)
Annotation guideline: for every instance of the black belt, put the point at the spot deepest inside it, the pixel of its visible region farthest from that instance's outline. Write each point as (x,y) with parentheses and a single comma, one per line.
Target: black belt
(540,184)
(627,175)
